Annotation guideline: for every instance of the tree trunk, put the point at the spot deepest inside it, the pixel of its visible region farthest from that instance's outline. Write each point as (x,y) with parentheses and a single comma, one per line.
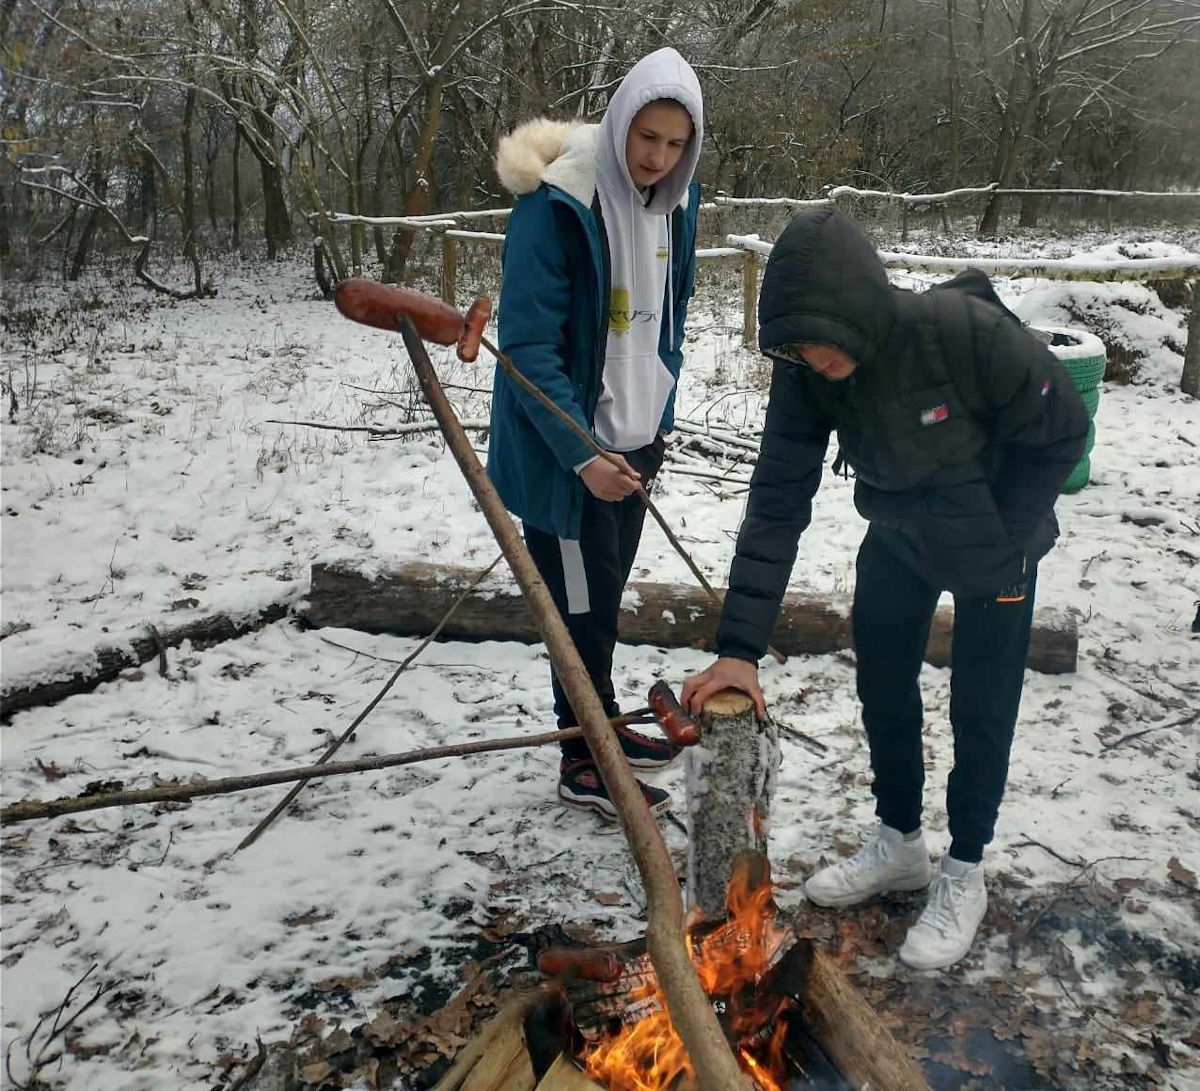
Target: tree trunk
(5,221)
(1189,382)
(83,249)
(955,80)
(277,221)
(187,203)
(410,598)
(236,237)
(730,786)
(1004,161)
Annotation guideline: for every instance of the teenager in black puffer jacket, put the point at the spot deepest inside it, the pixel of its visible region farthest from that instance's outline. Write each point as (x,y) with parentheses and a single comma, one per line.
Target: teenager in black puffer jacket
(960,428)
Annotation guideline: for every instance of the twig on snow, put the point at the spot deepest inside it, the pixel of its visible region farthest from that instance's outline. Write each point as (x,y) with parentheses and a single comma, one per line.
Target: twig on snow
(1183,721)
(284,803)
(58,1028)
(252,1069)
(1085,866)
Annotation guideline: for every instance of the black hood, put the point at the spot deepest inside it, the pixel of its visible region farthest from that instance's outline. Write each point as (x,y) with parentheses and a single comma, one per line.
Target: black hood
(824,284)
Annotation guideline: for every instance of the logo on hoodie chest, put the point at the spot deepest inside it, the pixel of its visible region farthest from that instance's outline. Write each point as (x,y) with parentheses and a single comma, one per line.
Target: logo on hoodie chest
(622,317)
(935,414)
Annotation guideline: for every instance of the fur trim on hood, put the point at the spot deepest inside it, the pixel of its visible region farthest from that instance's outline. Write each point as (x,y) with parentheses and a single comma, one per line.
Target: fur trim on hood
(562,153)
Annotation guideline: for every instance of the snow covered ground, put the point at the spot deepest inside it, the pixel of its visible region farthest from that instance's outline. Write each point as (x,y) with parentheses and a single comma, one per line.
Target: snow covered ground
(145,482)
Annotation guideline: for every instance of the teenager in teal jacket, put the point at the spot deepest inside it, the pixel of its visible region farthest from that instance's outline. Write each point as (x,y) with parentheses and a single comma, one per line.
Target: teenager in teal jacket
(598,268)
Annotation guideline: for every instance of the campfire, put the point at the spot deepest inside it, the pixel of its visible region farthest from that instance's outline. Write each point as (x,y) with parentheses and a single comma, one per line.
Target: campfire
(611,1018)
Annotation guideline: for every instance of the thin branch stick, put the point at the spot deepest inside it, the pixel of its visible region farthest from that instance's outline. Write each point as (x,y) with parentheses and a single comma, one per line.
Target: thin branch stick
(284,803)
(690,1008)
(57,1027)
(28,810)
(813,744)
(510,369)
(1183,721)
(1018,938)
(413,429)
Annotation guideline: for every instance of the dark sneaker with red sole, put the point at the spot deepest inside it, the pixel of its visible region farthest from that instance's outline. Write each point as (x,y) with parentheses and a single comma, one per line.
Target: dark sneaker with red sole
(580,786)
(644,751)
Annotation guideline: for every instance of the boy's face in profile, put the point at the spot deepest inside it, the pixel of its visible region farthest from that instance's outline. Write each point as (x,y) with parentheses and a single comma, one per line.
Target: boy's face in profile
(657,138)
(827,361)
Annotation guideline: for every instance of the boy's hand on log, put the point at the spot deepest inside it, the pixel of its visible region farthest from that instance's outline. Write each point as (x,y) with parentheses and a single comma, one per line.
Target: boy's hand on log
(725,673)
(608,482)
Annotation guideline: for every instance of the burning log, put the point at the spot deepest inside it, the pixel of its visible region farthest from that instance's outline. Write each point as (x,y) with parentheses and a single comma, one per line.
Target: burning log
(788,1013)
(730,785)
(410,598)
(564,1076)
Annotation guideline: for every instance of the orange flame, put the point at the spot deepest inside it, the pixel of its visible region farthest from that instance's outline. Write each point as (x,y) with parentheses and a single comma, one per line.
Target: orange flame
(649,1056)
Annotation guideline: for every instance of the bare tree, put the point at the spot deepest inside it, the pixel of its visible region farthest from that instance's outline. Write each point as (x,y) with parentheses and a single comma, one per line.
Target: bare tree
(1060,46)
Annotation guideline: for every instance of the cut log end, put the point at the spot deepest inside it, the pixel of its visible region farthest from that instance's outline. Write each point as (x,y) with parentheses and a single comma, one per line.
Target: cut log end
(729,702)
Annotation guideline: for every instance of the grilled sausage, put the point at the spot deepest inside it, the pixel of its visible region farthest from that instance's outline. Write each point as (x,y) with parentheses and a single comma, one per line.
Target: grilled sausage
(676,723)
(382,306)
(477,319)
(587,963)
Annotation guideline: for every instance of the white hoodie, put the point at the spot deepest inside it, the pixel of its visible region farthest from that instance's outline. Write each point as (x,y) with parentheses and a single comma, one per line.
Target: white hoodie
(636,383)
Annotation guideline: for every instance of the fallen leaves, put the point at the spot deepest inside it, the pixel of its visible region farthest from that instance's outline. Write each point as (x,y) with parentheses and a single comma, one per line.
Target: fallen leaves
(1177,873)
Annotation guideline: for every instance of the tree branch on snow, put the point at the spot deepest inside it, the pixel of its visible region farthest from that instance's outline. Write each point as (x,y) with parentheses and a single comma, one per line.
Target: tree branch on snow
(90,199)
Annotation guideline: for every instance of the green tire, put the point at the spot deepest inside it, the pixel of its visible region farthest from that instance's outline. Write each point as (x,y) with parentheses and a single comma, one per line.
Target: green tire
(1091,437)
(1091,400)
(1081,353)
(1079,476)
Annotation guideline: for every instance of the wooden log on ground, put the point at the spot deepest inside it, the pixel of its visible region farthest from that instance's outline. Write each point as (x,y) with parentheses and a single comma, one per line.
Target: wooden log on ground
(852,1033)
(564,1076)
(108,661)
(409,599)
(730,785)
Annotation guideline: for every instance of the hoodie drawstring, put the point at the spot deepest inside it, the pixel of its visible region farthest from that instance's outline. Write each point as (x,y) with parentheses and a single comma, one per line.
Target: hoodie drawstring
(670,288)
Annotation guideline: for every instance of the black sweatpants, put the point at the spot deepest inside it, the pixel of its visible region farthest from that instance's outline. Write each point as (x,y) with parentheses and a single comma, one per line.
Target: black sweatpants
(587,579)
(891,617)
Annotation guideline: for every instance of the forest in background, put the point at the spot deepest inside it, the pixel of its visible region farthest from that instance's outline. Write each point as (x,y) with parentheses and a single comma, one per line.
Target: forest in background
(214,126)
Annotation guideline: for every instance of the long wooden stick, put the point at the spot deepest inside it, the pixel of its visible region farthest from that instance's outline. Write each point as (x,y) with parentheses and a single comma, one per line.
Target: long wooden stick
(534,391)
(27,810)
(690,1009)
(286,802)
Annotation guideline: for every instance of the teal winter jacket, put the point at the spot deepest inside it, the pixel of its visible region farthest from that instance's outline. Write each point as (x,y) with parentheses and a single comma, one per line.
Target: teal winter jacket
(553,323)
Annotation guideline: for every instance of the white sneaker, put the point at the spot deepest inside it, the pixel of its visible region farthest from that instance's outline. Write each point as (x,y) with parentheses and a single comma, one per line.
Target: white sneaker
(947,927)
(886,862)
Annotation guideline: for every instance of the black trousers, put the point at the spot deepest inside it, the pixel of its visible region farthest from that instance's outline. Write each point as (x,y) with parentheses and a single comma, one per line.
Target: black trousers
(891,617)
(587,579)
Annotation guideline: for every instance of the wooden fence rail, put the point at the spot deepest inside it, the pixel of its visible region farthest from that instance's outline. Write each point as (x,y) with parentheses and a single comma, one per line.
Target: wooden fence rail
(749,250)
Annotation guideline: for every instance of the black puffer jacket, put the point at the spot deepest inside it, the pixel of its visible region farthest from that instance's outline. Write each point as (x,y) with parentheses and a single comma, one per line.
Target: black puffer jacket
(960,426)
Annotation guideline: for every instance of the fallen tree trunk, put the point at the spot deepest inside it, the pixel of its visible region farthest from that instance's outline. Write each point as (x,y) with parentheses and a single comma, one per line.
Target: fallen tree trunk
(109,660)
(410,598)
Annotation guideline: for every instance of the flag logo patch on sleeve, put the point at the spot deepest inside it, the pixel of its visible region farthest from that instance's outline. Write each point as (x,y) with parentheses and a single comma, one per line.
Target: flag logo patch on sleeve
(935,414)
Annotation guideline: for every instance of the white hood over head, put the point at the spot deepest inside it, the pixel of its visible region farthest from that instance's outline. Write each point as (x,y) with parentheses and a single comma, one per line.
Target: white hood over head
(663,74)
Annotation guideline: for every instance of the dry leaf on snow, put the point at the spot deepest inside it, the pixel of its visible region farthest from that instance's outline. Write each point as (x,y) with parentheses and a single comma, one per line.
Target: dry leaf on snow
(1179,874)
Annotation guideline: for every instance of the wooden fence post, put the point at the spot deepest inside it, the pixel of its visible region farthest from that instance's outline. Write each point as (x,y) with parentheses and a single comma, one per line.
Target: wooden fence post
(749,299)
(449,269)
(1189,383)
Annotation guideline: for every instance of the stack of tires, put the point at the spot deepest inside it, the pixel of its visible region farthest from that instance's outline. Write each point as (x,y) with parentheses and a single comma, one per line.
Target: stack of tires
(1083,356)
